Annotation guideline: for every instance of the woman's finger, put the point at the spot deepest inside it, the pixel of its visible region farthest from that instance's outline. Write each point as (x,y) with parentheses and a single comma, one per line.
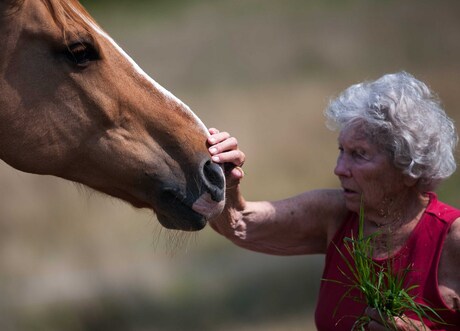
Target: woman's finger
(218,137)
(234,177)
(226,145)
(378,321)
(213,130)
(376,326)
(235,157)
(374,314)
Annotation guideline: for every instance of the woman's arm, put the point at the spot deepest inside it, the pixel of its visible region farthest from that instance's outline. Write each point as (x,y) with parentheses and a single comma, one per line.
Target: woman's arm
(303,224)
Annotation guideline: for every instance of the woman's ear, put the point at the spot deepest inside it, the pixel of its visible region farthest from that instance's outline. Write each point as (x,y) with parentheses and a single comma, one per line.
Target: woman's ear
(410,181)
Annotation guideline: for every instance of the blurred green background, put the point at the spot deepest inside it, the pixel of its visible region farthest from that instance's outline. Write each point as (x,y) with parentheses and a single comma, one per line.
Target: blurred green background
(72,259)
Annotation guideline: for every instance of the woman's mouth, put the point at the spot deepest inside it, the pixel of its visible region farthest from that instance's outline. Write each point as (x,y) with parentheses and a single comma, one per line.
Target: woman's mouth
(347,191)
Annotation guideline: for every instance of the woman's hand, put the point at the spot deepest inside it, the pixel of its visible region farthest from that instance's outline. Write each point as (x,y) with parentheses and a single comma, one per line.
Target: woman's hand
(377,322)
(224,150)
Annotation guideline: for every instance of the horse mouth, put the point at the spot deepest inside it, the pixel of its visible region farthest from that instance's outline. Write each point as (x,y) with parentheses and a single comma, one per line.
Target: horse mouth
(188,207)
(177,214)
(194,222)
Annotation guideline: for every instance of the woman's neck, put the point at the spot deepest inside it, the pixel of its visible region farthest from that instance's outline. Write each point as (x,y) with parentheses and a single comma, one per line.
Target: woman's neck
(397,212)
(394,223)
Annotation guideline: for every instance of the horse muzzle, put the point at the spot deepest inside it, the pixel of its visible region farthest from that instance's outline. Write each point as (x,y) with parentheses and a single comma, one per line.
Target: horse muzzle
(203,199)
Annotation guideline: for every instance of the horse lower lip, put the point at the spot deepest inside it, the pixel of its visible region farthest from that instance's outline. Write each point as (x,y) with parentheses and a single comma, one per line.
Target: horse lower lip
(191,222)
(178,214)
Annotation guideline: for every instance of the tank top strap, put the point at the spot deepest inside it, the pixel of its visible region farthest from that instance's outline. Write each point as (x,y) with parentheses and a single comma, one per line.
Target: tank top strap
(441,210)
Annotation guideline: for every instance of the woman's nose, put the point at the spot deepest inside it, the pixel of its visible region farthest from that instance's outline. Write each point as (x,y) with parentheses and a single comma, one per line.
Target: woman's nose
(341,168)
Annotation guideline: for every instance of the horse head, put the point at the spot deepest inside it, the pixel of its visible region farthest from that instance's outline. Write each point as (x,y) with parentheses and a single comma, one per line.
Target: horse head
(73,104)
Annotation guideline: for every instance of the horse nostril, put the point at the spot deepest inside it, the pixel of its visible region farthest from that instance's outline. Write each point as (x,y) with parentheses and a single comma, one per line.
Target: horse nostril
(214,180)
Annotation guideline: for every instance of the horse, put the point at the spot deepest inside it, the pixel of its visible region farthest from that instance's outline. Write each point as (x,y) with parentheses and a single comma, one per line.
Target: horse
(74,105)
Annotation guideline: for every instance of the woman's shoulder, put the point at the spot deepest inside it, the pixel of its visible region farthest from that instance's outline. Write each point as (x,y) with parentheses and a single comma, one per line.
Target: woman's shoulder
(453,237)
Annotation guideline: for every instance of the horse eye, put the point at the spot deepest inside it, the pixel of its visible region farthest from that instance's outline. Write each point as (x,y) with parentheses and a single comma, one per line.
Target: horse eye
(81,54)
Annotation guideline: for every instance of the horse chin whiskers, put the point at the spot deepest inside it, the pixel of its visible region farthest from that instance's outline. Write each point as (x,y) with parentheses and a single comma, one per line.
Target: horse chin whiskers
(173,241)
(87,191)
(180,241)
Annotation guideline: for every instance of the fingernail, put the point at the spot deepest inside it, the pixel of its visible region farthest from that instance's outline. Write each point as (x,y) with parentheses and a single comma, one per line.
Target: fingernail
(213,150)
(215,158)
(212,140)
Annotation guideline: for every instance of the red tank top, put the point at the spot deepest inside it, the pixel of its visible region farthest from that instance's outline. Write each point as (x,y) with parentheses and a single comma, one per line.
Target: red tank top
(422,251)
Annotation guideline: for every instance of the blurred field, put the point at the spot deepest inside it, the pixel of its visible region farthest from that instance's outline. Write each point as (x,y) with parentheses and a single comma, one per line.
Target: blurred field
(71,259)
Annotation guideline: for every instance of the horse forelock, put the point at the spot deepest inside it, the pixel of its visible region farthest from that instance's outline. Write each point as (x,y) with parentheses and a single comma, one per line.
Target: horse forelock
(69,13)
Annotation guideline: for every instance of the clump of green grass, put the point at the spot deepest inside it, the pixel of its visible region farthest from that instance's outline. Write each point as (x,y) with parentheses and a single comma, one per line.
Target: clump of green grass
(379,285)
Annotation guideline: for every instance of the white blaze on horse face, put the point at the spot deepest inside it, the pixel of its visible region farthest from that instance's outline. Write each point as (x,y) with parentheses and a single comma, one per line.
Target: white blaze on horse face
(141,72)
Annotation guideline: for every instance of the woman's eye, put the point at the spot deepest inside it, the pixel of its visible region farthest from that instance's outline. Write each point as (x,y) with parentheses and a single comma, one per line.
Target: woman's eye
(81,54)
(360,155)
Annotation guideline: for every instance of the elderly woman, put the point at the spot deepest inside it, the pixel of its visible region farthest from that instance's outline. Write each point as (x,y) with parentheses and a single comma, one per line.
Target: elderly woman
(396,144)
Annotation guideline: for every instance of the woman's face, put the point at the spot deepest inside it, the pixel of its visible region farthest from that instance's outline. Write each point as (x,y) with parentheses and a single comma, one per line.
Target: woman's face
(365,170)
